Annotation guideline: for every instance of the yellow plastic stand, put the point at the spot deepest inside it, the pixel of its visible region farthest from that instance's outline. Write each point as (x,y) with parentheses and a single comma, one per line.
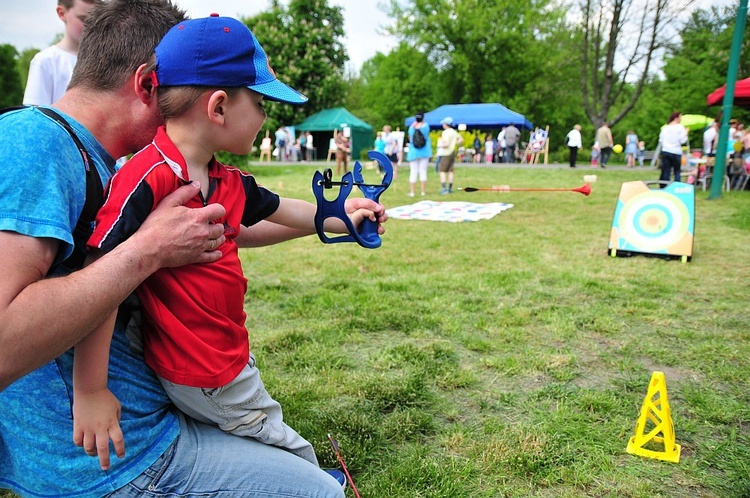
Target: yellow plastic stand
(655,410)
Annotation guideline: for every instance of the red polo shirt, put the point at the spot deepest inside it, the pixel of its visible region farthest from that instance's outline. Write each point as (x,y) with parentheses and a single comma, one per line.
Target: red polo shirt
(194,318)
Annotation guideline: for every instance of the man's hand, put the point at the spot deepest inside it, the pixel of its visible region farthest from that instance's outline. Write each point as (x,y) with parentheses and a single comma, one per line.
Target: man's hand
(176,235)
(96,420)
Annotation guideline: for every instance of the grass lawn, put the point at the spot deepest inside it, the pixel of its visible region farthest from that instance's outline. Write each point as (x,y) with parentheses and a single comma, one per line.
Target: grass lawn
(510,357)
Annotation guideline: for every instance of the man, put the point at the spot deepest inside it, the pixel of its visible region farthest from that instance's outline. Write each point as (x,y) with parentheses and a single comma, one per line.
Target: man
(710,138)
(111,108)
(281,140)
(512,135)
(446,151)
(605,141)
(574,142)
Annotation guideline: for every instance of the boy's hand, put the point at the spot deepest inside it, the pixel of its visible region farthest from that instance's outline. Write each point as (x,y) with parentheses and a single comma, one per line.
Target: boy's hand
(371,210)
(96,420)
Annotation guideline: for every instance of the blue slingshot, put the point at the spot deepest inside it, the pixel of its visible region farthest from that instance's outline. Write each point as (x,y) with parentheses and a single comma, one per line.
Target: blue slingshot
(367,235)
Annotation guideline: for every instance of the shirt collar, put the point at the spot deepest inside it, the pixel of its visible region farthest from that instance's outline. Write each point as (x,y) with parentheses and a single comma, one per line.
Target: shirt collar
(176,162)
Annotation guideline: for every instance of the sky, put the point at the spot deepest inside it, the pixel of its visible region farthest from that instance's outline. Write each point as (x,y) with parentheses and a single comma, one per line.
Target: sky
(34,23)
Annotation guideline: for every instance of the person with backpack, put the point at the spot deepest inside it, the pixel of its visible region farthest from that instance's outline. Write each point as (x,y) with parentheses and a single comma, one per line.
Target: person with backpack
(420,152)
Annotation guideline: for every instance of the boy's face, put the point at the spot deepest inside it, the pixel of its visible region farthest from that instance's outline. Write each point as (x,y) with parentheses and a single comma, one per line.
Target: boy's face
(74,18)
(244,118)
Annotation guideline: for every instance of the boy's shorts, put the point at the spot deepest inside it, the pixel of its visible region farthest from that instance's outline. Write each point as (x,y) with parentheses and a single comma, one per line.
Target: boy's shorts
(446,163)
(244,408)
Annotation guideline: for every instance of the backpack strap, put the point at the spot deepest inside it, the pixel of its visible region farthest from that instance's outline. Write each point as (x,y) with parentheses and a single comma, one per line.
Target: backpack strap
(94,192)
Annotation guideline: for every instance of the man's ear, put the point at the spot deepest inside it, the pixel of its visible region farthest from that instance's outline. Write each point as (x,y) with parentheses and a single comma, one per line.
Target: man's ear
(144,85)
(216,108)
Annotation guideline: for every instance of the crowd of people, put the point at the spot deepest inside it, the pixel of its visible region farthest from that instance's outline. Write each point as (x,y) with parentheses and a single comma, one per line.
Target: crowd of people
(500,148)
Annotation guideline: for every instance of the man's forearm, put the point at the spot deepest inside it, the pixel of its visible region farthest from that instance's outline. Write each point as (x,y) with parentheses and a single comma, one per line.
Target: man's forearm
(51,315)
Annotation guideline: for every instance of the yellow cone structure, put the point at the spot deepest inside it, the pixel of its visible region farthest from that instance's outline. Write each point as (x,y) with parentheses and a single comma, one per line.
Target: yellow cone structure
(654,428)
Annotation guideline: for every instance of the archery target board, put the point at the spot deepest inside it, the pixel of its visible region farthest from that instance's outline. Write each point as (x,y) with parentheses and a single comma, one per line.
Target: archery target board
(657,222)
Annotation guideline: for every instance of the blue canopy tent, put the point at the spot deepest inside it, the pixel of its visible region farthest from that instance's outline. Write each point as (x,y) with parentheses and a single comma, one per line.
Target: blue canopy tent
(475,116)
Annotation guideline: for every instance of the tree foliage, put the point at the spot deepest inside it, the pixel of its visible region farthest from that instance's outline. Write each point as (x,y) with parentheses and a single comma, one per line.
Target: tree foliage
(304,46)
(695,65)
(621,39)
(394,86)
(11,89)
(487,50)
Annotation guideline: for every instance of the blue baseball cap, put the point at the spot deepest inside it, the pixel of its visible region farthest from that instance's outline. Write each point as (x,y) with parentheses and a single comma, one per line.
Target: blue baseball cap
(220,52)
(447,121)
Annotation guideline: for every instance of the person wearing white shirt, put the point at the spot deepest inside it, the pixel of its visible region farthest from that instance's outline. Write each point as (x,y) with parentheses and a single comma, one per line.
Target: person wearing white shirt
(501,145)
(50,70)
(709,139)
(672,138)
(574,142)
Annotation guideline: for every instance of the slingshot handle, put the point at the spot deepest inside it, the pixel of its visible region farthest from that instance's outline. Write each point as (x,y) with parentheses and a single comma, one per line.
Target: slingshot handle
(367,235)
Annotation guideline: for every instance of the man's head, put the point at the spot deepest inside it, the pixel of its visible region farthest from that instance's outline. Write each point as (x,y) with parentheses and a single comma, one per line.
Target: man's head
(119,37)
(447,122)
(419,117)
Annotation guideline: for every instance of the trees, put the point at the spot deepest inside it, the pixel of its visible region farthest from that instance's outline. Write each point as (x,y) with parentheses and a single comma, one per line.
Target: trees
(698,65)
(391,87)
(620,41)
(483,48)
(303,44)
(11,89)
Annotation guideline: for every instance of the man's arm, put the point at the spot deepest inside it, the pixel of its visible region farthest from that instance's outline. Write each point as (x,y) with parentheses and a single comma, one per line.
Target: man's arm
(41,318)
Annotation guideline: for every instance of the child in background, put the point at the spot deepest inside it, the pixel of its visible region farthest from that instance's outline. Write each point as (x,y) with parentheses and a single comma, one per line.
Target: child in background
(211,76)
(641,152)
(489,148)
(595,151)
(50,70)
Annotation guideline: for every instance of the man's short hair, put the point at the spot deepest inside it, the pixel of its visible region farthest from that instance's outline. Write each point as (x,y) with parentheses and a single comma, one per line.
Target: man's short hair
(119,36)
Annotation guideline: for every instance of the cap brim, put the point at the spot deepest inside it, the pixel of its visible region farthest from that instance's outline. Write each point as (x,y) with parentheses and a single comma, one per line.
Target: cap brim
(278,91)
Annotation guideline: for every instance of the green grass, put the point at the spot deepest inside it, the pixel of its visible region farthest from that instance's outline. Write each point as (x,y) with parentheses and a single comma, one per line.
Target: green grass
(510,357)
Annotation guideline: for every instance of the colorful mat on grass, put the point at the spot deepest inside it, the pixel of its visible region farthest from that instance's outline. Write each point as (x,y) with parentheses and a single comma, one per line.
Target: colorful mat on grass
(453,212)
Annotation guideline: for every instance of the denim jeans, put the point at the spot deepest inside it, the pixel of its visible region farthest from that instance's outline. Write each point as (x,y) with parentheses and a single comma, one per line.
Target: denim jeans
(205,461)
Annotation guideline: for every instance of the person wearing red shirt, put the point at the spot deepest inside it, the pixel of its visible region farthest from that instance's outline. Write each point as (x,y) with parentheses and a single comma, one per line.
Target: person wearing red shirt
(212,76)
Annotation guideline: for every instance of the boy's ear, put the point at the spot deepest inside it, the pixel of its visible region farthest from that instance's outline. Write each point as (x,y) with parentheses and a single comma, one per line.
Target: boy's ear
(216,108)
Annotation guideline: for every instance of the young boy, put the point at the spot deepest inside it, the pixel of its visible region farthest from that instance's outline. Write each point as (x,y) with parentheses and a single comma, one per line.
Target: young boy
(50,69)
(212,76)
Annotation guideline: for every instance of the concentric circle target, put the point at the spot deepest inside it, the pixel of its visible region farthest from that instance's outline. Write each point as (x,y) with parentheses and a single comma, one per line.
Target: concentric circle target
(654,221)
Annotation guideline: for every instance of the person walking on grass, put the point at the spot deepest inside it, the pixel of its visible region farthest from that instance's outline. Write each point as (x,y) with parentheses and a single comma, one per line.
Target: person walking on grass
(605,141)
(574,142)
(672,137)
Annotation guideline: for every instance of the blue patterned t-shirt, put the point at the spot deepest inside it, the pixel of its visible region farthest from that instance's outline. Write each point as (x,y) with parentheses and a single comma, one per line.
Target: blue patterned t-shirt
(43,190)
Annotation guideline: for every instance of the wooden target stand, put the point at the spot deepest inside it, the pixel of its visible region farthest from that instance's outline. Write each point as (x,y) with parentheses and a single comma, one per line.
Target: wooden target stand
(538,145)
(658,222)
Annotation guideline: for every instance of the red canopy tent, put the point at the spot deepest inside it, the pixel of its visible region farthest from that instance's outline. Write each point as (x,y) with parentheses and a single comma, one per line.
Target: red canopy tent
(741,94)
